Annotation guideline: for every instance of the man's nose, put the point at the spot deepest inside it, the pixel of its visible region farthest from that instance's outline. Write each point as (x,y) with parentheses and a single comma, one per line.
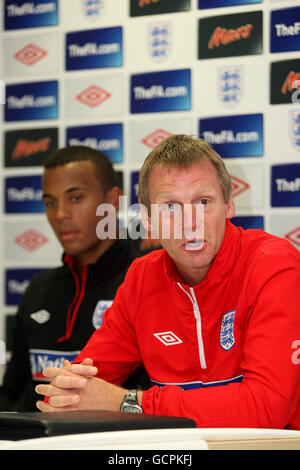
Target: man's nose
(193,216)
(63,211)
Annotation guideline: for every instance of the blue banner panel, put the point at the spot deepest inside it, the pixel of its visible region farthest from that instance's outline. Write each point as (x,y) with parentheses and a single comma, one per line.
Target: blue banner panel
(285,185)
(204,4)
(248,221)
(234,136)
(21,14)
(108,138)
(28,101)
(161,91)
(94,48)
(285,30)
(23,194)
(16,283)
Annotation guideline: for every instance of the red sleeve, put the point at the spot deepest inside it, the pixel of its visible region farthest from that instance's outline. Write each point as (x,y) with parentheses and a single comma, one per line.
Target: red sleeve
(268,395)
(113,347)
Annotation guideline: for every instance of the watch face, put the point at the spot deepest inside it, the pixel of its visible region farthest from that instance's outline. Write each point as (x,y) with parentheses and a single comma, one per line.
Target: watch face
(132,409)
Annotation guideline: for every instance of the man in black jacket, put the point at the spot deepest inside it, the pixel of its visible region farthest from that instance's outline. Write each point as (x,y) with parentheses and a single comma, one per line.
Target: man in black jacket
(63,306)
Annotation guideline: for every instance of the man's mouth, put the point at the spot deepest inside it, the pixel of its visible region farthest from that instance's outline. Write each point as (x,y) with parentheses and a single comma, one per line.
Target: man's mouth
(194,245)
(68,234)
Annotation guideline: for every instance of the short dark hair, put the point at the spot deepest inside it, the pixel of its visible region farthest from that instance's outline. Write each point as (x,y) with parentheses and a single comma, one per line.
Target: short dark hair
(104,170)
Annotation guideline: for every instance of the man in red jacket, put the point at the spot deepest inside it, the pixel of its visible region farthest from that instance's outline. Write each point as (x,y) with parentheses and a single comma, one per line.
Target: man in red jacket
(213,316)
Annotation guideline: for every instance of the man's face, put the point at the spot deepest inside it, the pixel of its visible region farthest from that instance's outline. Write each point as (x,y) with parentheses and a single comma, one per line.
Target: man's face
(71,194)
(197,186)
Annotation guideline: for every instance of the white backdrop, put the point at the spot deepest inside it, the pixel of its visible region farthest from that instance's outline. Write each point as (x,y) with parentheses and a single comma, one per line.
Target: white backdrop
(251,174)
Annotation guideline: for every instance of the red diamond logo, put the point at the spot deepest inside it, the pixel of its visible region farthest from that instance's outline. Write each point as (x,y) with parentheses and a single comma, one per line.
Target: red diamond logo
(93,96)
(168,338)
(294,236)
(152,140)
(31,240)
(30,54)
(238,186)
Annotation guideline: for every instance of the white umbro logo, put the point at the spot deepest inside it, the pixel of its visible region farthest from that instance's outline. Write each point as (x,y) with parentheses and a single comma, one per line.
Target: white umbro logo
(42,316)
(168,338)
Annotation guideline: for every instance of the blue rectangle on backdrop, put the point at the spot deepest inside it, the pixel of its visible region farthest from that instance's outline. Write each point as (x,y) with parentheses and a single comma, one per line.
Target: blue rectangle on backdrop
(16,283)
(94,48)
(203,4)
(285,185)
(234,136)
(108,138)
(285,30)
(161,91)
(23,194)
(21,14)
(248,221)
(26,101)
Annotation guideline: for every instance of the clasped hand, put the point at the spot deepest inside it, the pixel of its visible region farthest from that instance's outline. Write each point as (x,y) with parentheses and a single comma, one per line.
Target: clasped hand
(75,387)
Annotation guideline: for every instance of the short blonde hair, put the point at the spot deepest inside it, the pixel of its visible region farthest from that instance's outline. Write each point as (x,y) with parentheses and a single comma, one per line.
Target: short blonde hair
(182,151)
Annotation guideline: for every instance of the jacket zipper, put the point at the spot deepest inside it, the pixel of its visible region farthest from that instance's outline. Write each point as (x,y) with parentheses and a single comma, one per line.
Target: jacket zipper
(197,315)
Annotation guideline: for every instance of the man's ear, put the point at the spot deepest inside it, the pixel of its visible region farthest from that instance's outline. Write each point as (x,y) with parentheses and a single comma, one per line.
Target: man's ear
(145,217)
(113,195)
(230,210)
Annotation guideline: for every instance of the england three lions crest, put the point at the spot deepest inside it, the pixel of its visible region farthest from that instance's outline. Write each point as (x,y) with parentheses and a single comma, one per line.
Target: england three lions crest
(294,129)
(100,308)
(230,85)
(159,40)
(227,340)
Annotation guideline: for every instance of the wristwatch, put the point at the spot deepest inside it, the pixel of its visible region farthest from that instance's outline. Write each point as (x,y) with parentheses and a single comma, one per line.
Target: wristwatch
(130,403)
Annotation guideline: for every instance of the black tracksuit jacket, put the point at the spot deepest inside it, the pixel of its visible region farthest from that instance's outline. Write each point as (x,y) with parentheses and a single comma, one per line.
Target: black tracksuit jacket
(58,313)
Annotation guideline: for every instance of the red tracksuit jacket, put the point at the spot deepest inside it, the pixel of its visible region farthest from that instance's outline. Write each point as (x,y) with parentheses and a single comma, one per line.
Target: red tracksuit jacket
(225,352)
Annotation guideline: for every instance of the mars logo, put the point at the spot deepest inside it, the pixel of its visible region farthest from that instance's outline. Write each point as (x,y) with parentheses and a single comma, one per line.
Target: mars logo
(285,81)
(159,40)
(92,9)
(30,54)
(31,240)
(152,140)
(155,7)
(294,236)
(230,85)
(230,35)
(93,96)
(294,128)
(238,186)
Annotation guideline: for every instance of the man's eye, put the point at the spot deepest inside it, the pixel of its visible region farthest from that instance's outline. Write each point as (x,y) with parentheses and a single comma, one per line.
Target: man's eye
(170,207)
(49,204)
(204,201)
(76,198)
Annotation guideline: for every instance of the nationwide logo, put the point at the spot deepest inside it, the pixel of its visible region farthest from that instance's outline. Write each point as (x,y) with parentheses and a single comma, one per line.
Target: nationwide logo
(168,338)
(153,139)
(92,9)
(159,40)
(230,35)
(25,148)
(31,240)
(30,54)
(93,96)
(285,30)
(41,358)
(294,236)
(238,186)
(230,85)
(294,129)
(285,81)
